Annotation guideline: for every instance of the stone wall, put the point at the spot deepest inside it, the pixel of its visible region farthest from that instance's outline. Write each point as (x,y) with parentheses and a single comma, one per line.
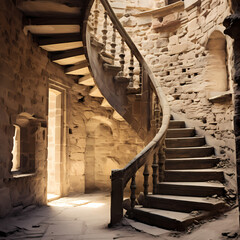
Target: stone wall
(186,48)
(98,142)
(88,131)
(24,73)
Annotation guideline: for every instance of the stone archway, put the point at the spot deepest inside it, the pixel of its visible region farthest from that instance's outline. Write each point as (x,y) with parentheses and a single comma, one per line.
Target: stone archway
(98,156)
(216,74)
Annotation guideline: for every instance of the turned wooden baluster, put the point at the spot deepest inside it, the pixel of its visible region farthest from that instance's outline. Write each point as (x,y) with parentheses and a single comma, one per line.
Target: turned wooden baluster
(96,14)
(104,31)
(121,60)
(154,174)
(133,189)
(146,175)
(161,162)
(157,113)
(131,71)
(140,76)
(113,43)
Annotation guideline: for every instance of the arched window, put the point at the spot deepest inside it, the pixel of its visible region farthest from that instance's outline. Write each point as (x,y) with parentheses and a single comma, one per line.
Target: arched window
(216,69)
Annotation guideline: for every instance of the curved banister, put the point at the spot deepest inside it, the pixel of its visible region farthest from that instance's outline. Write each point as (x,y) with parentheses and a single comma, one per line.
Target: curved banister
(163,101)
(121,177)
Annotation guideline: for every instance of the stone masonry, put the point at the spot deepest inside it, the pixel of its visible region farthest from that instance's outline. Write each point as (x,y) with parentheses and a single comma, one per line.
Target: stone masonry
(89,130)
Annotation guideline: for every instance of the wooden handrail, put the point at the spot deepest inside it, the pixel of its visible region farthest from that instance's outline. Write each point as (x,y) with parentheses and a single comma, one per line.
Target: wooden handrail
(121,177)
(126,172)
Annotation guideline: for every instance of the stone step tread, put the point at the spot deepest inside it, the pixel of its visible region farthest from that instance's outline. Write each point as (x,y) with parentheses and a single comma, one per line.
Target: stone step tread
(192,158)
(185,138)
(193,184)
(188,148)
(177,216)
(209,170)
(180,121)
(174,123)
(181,129)
(188,199)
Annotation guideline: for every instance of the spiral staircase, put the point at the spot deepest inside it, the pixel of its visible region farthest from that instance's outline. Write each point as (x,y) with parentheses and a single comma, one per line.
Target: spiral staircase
(185,185)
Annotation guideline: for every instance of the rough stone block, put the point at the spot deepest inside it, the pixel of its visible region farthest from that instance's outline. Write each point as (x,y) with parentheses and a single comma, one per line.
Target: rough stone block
(178,48)
(191,3)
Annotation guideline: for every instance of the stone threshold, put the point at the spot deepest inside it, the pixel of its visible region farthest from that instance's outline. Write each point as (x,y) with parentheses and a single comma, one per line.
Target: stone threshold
(163,11)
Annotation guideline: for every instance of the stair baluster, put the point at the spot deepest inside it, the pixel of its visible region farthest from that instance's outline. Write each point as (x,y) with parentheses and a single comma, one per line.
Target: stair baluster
(157,113)
(104,31)
(146,175)
(96,15)
(154,174)
(133,190)
(161,162)
(140,76)
(131,72)
(122,56)
(113,44)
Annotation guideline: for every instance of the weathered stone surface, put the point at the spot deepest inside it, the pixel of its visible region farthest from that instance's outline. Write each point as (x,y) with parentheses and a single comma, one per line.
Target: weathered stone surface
(191,3)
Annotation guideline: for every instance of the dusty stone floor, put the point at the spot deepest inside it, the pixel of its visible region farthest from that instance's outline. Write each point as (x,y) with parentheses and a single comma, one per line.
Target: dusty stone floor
(87,216)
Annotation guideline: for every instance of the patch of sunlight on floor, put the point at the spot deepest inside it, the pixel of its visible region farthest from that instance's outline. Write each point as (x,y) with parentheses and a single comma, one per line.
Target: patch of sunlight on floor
(68,202)
(94,205)
(84,201)
(51,197)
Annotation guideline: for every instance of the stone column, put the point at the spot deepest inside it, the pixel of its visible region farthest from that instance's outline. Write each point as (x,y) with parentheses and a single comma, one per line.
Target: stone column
(232,24)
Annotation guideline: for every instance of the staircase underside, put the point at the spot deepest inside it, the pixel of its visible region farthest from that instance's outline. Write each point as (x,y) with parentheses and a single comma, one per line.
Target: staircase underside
(193,188)
(56,26)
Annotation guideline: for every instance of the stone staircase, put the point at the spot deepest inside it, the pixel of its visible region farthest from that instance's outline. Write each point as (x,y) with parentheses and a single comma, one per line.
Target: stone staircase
(192,184)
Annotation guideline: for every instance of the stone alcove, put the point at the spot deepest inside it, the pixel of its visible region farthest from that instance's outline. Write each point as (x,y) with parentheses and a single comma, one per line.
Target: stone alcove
(216,74)
(24,142)
(98,156)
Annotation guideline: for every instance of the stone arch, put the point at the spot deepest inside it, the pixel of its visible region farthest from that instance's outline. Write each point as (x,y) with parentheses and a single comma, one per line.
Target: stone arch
(99,147)
(216,74)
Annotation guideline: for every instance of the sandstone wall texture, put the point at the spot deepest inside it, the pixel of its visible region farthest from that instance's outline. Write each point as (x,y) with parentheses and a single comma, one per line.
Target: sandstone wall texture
(192,59)
(92,141)
(98,142)
(24,73)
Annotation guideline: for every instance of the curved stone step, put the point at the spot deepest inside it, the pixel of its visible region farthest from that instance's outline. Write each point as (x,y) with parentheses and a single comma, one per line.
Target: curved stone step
(194,175)
(196,189)
(180,132)
(60,42)
(185,142)
(68,57)
(189,152)
(80,69)
(166,219)
(176,124)
(191,163)
(183,203)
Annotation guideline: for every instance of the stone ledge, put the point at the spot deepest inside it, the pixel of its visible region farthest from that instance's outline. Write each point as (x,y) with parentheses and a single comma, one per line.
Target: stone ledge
(221,97)
(17,175)
(163,11)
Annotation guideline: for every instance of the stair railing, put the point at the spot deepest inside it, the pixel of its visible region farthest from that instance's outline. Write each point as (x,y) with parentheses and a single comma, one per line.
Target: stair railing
(159,109)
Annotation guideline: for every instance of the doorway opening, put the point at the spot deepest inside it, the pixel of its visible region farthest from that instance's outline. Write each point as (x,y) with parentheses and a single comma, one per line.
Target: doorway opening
(54,144)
